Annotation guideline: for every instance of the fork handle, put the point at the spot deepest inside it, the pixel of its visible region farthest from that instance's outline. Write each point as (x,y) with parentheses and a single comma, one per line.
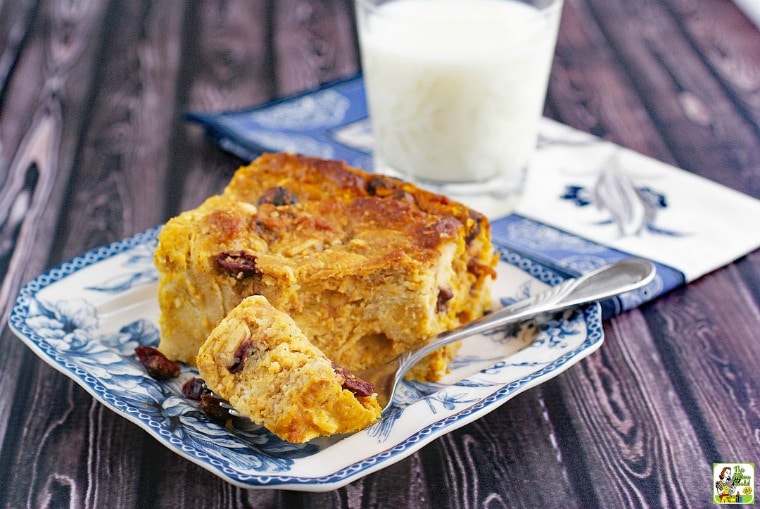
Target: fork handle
(608,281)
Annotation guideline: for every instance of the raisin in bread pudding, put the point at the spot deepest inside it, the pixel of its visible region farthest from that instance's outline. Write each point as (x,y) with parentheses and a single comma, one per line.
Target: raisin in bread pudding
(261,362)
(366,265)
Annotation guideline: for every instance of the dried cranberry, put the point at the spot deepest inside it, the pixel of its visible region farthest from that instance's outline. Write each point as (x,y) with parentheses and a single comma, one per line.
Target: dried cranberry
(194,388)
(278,196)
(473,233)
(214,407)
(156,363)
(243,351)
(480,270)
(377,186)
(353,383)
(238,263)
(444,296)
(211,404)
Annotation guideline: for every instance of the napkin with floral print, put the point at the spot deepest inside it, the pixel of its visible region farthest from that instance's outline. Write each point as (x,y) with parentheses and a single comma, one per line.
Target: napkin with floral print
(587,202)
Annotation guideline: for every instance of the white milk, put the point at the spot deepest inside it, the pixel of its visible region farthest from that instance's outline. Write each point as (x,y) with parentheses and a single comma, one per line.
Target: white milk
(456,87)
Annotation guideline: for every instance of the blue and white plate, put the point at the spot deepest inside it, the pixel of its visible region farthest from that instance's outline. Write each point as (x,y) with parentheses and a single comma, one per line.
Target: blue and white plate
(86,316)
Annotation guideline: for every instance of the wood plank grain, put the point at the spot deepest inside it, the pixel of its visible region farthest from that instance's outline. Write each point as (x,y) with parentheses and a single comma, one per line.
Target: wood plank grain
(403,484)
(15,24)
(749,270)
(41,475)
(631,429)
(314,43)
(288,47)
(114,454)
(730,44)
(700,123)
(590,91)
(168,480)
(508,458)
(228,66)
(118,187)
(66,454)
(40,120)
(229,60)
(716,356)
(124,144)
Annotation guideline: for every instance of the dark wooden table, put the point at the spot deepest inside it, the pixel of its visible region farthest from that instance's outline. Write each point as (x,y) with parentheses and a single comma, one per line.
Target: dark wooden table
(94,147)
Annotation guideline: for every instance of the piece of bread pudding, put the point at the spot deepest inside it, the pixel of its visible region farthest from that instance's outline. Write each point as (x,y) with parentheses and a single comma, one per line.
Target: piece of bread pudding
(366,265)
(260,361)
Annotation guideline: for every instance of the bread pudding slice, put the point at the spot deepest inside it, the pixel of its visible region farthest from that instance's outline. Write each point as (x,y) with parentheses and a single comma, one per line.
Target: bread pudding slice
(366,265)
(261,362)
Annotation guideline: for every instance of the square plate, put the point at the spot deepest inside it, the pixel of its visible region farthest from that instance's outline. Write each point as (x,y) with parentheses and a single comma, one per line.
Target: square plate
(86,316)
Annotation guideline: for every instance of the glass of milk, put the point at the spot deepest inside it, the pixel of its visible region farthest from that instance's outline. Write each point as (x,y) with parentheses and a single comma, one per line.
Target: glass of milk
(455,90)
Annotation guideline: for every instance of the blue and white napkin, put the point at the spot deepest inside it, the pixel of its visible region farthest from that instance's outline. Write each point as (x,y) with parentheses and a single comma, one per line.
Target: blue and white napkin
(588,202)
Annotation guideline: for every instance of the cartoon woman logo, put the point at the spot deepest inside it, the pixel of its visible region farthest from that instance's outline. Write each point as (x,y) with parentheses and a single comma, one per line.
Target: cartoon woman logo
(725,485)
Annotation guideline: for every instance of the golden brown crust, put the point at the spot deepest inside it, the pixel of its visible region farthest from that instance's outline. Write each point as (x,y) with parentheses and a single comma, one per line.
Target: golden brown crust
(366,265)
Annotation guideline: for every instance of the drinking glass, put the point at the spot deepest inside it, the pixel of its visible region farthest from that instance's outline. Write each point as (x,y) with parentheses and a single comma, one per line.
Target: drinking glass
(455,90)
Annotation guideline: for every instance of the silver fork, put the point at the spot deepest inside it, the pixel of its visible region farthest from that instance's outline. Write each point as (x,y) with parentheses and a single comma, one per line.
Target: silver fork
(611,280)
